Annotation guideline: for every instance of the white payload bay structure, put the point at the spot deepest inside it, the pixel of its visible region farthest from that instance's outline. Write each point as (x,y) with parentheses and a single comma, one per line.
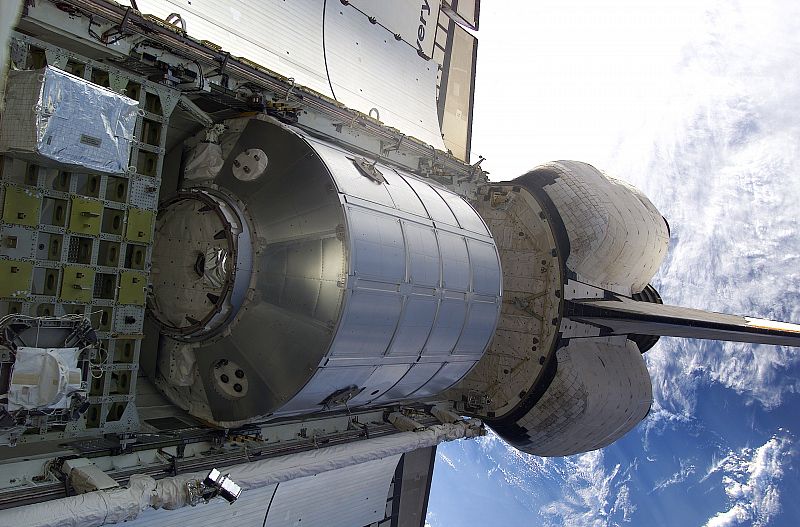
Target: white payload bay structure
(244,255)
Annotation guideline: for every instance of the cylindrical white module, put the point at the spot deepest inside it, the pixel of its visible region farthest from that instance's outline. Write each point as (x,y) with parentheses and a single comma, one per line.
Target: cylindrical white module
(368,285)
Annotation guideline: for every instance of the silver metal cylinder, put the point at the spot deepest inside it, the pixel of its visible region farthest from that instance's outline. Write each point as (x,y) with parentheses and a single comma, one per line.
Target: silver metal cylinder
(369,285)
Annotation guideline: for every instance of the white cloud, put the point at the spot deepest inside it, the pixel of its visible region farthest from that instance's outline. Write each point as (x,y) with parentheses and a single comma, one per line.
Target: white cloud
(686,471)
(578,490)
(718,155)
(588,489)
(697,104)
(446,460)
(751,480)
(624,504)
(518,469)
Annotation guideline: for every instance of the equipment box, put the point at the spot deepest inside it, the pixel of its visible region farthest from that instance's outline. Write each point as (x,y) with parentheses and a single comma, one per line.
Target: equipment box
(51,115)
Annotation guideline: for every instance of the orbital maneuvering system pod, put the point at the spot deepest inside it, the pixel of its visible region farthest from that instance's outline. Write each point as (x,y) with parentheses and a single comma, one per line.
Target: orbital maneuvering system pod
(291,276)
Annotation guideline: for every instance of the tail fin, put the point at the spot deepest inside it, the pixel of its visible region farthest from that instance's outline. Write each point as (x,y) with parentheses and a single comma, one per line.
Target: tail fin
(626,316)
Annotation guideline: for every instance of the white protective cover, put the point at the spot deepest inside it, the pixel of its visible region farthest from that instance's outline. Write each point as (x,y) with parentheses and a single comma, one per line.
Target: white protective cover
(332,48)
(53,115)
(345,497)
(104,507)
(44,378)
(204,163)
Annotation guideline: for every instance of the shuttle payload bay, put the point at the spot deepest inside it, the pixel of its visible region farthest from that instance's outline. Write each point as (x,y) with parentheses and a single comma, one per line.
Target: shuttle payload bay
(244,257)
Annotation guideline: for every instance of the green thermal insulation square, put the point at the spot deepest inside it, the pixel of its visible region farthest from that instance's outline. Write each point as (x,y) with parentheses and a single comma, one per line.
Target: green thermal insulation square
(15,278)
(85,216)
(21,206)
(77,284)
(132,288)
(139,227)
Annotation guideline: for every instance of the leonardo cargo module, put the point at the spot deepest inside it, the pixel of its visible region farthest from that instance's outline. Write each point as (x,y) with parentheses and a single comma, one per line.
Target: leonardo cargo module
(244,258)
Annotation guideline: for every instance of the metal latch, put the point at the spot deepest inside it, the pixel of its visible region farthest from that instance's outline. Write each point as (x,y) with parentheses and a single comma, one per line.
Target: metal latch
(369,170)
